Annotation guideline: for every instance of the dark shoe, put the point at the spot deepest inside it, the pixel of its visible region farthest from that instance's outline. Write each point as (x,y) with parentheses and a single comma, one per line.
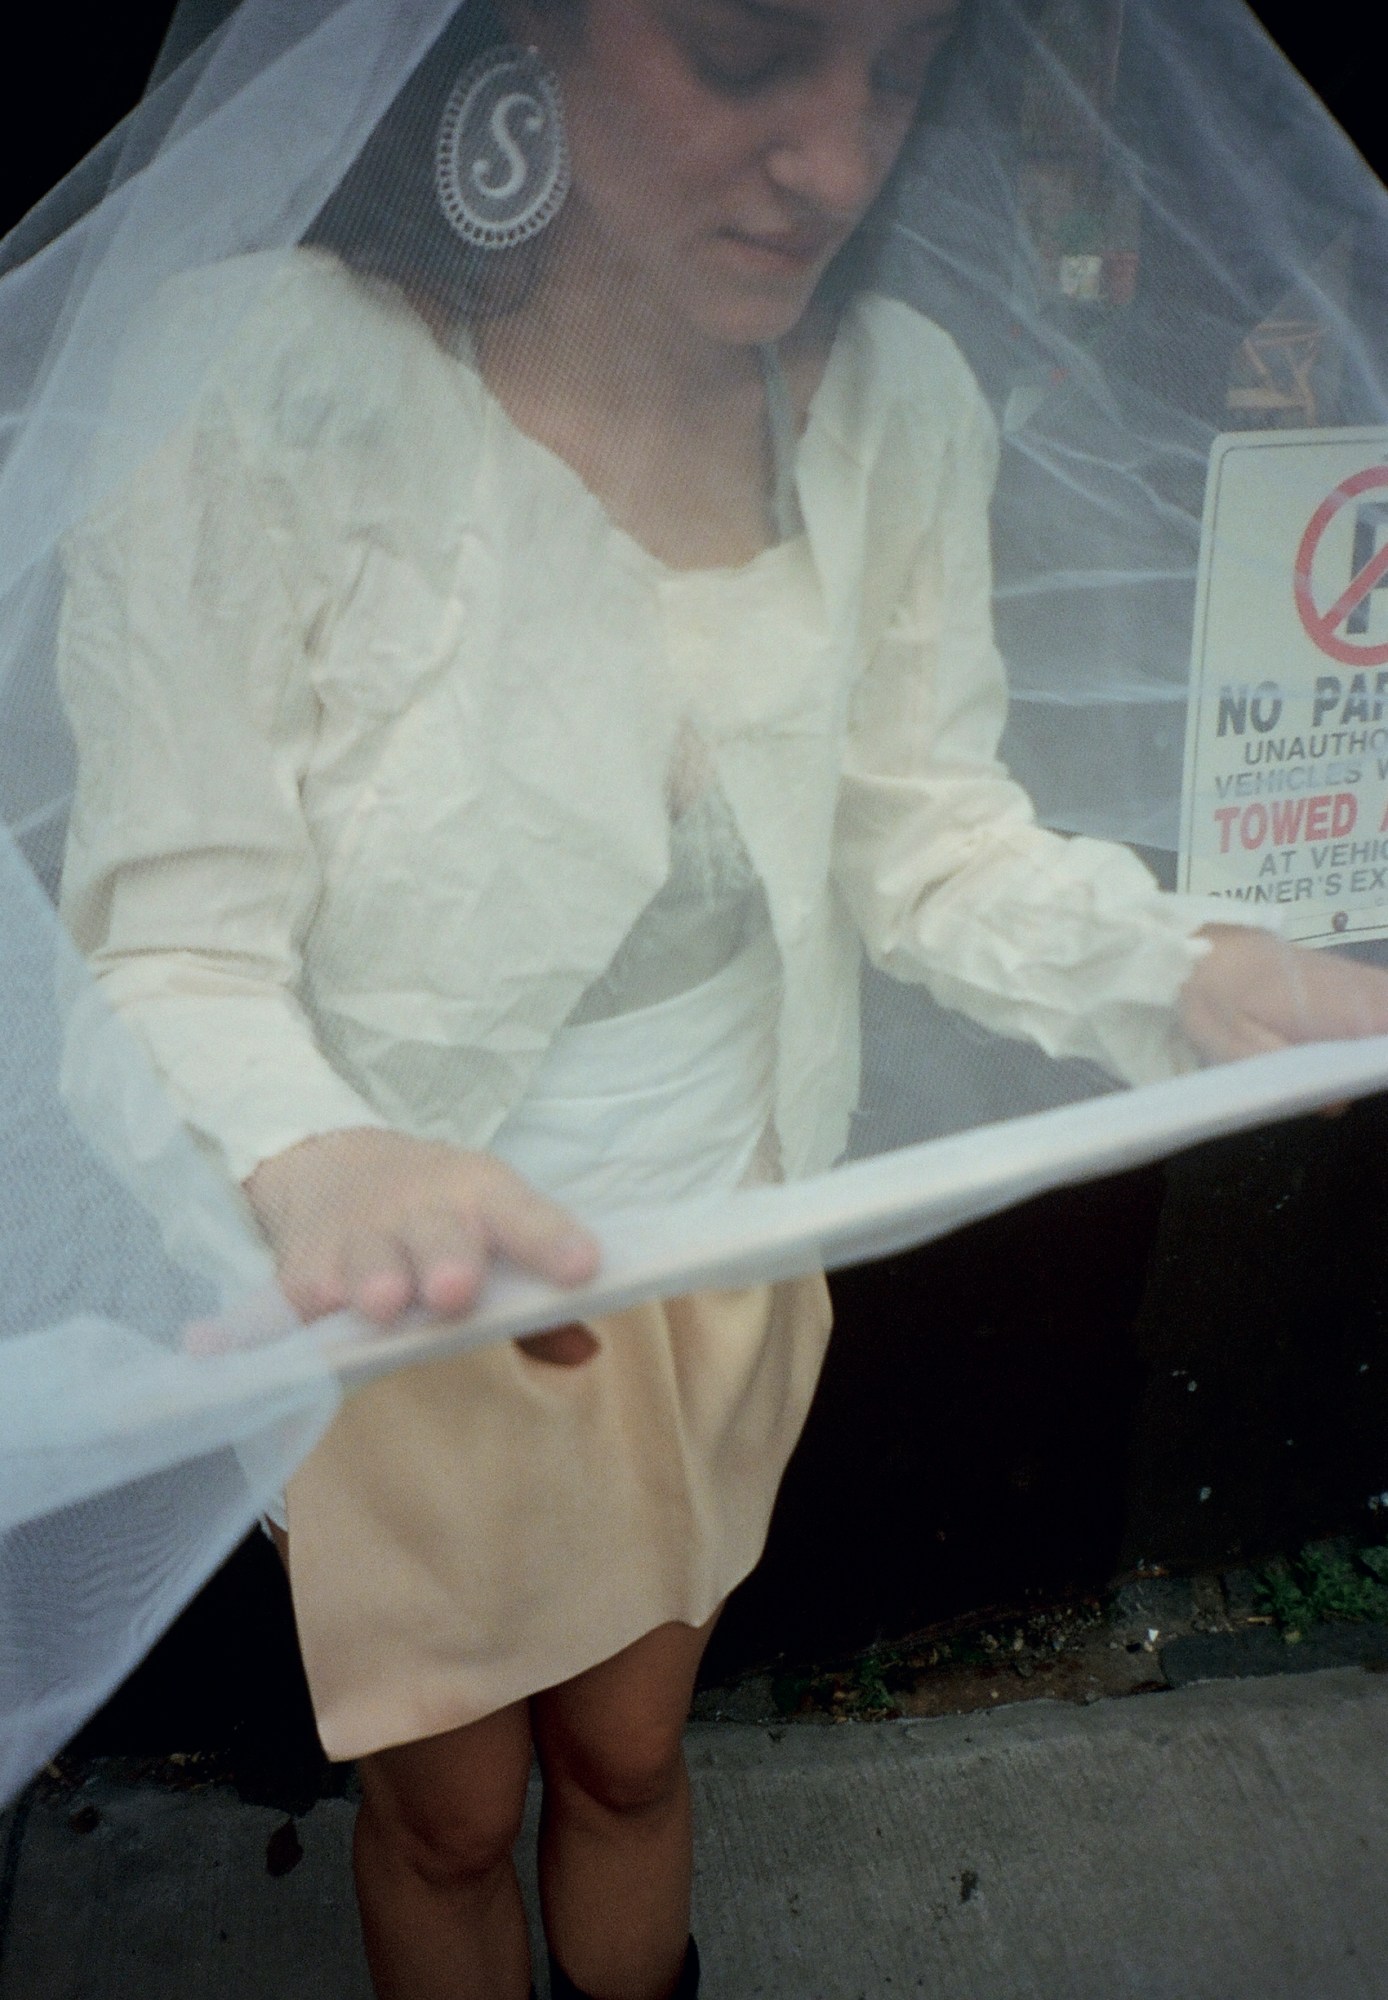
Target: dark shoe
(561,1987)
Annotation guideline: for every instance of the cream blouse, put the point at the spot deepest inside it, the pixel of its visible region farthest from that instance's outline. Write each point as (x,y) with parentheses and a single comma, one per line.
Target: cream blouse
(376,707)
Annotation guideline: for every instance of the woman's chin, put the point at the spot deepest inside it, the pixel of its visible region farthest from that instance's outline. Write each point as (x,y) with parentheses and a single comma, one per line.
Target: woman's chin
(748,318)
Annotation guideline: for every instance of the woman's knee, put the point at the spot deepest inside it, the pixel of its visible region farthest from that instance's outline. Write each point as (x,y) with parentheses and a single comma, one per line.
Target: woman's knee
(444,1843)
(448,1817)
(612,1737)
(629,1772)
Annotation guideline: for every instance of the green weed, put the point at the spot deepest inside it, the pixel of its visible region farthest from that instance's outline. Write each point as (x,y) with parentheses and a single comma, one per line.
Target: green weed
(871,1687)
(1326,1585)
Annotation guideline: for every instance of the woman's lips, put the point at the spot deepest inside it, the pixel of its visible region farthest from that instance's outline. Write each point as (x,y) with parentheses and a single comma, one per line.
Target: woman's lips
(778,255)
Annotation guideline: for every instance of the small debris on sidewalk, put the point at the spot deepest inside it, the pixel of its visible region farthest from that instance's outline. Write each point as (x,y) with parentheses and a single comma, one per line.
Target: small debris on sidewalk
(283,1850)
(1152,1632)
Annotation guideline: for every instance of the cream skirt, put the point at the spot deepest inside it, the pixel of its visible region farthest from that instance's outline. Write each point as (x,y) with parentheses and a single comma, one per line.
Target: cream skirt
(474,1530)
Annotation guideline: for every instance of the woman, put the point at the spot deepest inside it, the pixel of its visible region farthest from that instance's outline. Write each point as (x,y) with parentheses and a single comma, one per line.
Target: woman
(505,698)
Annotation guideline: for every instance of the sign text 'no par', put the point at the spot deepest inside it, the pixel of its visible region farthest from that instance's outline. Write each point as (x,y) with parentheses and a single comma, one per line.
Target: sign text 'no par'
(1285,803)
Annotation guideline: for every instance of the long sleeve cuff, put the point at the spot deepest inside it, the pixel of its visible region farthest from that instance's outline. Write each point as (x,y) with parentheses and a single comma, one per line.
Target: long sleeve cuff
(241,1071)
(1070,943)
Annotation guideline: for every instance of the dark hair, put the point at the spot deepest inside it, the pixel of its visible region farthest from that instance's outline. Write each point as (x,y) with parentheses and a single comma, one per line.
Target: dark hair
(383,219)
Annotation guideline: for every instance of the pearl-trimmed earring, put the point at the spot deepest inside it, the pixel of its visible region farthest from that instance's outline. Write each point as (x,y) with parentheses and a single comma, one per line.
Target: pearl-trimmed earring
(501,157)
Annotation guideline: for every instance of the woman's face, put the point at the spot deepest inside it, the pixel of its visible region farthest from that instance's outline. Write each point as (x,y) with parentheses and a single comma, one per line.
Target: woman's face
(724,150)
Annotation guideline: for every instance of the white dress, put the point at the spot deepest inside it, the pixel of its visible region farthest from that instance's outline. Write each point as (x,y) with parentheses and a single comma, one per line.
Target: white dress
(345,626)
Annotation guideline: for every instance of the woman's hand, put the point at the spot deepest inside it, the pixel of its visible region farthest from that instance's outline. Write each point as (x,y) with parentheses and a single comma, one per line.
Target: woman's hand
(377,1222)
(1252,992)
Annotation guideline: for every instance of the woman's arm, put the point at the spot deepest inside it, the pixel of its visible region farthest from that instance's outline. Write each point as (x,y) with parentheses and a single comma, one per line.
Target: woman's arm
(1068,942)
(191,878)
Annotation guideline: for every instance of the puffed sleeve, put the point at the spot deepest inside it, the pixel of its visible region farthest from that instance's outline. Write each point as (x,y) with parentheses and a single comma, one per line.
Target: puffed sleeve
(190,877)
(1065,941)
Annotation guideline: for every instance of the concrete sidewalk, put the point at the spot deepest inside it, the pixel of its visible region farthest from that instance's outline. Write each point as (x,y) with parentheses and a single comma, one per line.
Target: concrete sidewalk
(1222,1842)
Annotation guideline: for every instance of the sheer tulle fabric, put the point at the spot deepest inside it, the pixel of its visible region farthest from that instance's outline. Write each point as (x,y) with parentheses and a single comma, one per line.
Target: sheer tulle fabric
(347,744)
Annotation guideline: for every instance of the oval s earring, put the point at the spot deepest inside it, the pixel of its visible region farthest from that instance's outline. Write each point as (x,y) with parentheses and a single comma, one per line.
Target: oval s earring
(501,158)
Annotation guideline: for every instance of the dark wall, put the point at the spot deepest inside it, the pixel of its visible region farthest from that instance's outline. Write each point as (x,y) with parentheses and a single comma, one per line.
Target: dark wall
(83,67)
(1185,1365)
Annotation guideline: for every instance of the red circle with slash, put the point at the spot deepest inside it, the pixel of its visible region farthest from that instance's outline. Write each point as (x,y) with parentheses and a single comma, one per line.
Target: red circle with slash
(1323,627)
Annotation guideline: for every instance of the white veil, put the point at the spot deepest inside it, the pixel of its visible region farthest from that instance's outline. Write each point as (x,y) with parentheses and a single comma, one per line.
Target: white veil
(1140,231)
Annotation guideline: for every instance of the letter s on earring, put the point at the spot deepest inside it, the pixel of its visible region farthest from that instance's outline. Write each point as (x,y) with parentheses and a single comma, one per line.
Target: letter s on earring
(501,158)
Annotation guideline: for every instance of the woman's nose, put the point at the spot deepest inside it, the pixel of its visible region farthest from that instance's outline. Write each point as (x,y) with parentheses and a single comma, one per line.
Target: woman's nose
(825,154)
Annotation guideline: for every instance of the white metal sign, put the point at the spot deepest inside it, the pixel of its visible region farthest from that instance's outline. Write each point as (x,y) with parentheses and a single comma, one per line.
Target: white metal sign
(1285,804)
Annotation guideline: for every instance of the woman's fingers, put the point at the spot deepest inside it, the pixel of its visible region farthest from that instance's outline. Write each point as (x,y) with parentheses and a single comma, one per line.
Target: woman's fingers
(381,1222)
(1363,997)
(437,1258)
(536,1233)
(448,1254)
(1250,1037)
(312,1293)
(1253,993)
(1323,997)
(380,1281)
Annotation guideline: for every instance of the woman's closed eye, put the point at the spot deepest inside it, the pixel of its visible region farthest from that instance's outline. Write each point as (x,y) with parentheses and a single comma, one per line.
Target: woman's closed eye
(741,55)
(736,74)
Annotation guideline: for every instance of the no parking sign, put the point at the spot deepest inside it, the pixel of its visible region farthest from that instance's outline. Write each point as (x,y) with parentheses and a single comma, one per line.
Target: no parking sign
(1285,804)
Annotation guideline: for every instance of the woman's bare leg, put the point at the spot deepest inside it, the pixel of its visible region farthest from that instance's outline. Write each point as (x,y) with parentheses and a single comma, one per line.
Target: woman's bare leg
(441,1910)
(616,1854)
